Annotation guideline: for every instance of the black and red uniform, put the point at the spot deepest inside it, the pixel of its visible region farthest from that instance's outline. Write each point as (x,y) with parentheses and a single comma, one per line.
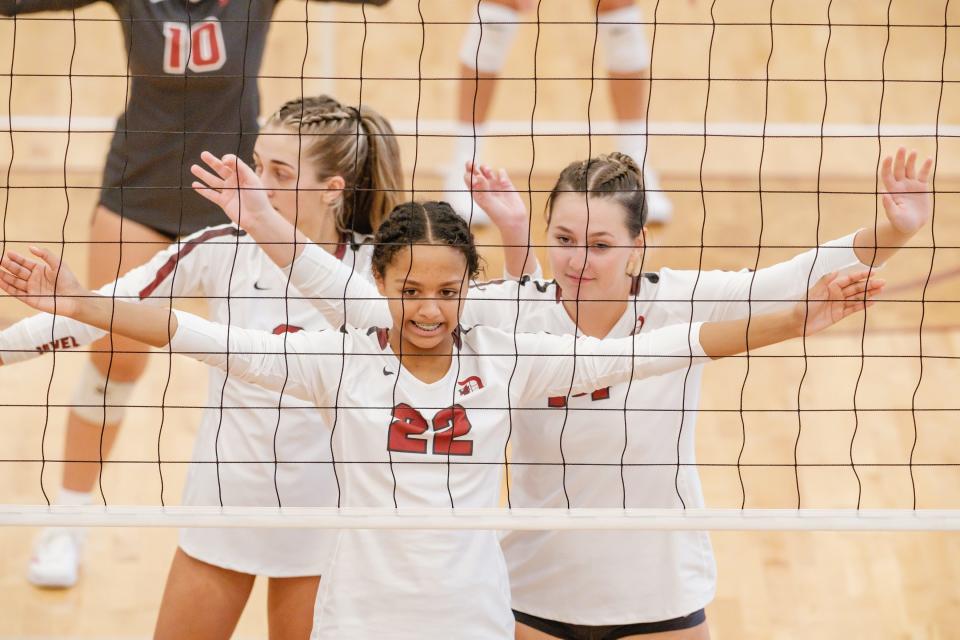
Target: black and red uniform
(193,86)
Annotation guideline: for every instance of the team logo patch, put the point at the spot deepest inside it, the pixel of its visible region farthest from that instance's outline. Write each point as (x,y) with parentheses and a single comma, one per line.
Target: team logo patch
(470,385)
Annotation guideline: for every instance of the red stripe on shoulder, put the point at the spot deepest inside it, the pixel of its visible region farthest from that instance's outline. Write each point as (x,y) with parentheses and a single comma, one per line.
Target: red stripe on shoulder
(171,264)
(346,238)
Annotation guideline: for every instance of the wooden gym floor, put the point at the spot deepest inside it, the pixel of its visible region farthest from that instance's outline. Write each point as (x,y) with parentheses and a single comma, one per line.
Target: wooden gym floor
(772,585)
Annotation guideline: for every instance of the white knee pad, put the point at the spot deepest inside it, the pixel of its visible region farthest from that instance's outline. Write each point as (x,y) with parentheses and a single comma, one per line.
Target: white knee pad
(487,42)
(88,397)
(623,40)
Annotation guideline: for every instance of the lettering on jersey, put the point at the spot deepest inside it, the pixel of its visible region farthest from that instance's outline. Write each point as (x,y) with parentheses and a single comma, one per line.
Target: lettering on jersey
(408,429)
(640,322)
(558,402)
(471,384)
(286,328)
(66,342)
(198,47)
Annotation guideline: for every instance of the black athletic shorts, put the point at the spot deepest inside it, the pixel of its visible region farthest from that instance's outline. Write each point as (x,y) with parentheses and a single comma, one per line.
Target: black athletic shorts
(567,631)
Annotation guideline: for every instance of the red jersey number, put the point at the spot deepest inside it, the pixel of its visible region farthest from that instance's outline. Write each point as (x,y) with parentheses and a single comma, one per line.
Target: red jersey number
(198,47)
(408,429)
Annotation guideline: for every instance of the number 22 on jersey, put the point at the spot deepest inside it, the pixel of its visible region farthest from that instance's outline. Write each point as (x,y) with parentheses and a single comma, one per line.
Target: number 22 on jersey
(408,428)
(197,46)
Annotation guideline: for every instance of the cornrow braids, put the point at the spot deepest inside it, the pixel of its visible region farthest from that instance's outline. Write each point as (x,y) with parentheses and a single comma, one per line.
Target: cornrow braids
(614,175)
(429,222)
(358,145)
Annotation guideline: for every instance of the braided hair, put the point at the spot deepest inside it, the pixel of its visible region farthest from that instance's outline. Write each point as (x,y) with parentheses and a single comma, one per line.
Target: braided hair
(358,145)
(613,175)
(423,223)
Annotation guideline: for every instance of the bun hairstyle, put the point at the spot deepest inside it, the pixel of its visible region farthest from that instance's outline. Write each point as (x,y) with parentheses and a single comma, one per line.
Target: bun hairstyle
(358,145)
(613,175)
(423,223)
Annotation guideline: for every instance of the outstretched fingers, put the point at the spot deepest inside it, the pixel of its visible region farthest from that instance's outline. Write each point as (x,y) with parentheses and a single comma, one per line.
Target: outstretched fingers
(12,284)
(209,179)
(47,256)
(886,174)
(858,288)
(910,171)
(17,265)
(214,163)
(208,193)
(244,172)
(925,169)
(899,164)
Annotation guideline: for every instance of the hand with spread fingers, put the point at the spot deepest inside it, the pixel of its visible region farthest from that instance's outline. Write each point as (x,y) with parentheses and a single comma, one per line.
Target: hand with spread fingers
(493,192)
(234,187)
(907,202)
(48,286)
(834,297)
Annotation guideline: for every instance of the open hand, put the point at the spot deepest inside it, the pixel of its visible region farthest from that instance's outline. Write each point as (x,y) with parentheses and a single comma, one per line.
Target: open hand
(234,187)
(834,297)
(908,203)
(494,193)
(47,286)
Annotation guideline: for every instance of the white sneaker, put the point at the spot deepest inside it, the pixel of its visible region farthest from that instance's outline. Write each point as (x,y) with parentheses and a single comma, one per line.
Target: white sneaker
(659,207)
(56,558)
(457,195)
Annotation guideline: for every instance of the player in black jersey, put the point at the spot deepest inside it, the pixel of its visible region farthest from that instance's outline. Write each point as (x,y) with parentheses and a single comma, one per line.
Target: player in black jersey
(192,67)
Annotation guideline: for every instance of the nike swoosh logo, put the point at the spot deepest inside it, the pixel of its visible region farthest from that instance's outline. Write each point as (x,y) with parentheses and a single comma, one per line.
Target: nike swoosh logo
(386,372)
(256,285)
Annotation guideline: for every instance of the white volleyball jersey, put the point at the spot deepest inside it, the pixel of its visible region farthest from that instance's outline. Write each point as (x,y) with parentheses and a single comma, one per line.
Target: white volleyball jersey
(400,442)
(628,445)
(234,451)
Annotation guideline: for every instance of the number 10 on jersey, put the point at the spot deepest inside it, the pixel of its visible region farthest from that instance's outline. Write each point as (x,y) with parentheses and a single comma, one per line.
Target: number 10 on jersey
(197,46)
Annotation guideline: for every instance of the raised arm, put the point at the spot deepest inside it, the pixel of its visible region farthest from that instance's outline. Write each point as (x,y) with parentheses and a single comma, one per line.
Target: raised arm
(274,362)
(335,290)
(178,270)
(18,7)
(908,207)
(494,193)
(600,363)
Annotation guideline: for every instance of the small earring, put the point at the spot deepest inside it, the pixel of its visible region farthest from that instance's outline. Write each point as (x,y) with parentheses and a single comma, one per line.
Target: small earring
(634,264)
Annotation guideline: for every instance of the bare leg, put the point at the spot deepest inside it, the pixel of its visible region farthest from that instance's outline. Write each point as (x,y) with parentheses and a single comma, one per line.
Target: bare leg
(475,91)
(106,254)
(474,97)
(56,557)
(290,607)
(201,601)
(630,94)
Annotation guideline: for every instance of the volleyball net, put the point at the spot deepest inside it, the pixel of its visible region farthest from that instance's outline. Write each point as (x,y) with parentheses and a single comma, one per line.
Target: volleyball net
(767,124)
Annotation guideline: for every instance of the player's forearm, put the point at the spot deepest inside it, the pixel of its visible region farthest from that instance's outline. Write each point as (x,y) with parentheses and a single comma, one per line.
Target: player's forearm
(41,333)
(731,337)
(519,258)
(874,246)
(14,7)
(148,324)
(280,240)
